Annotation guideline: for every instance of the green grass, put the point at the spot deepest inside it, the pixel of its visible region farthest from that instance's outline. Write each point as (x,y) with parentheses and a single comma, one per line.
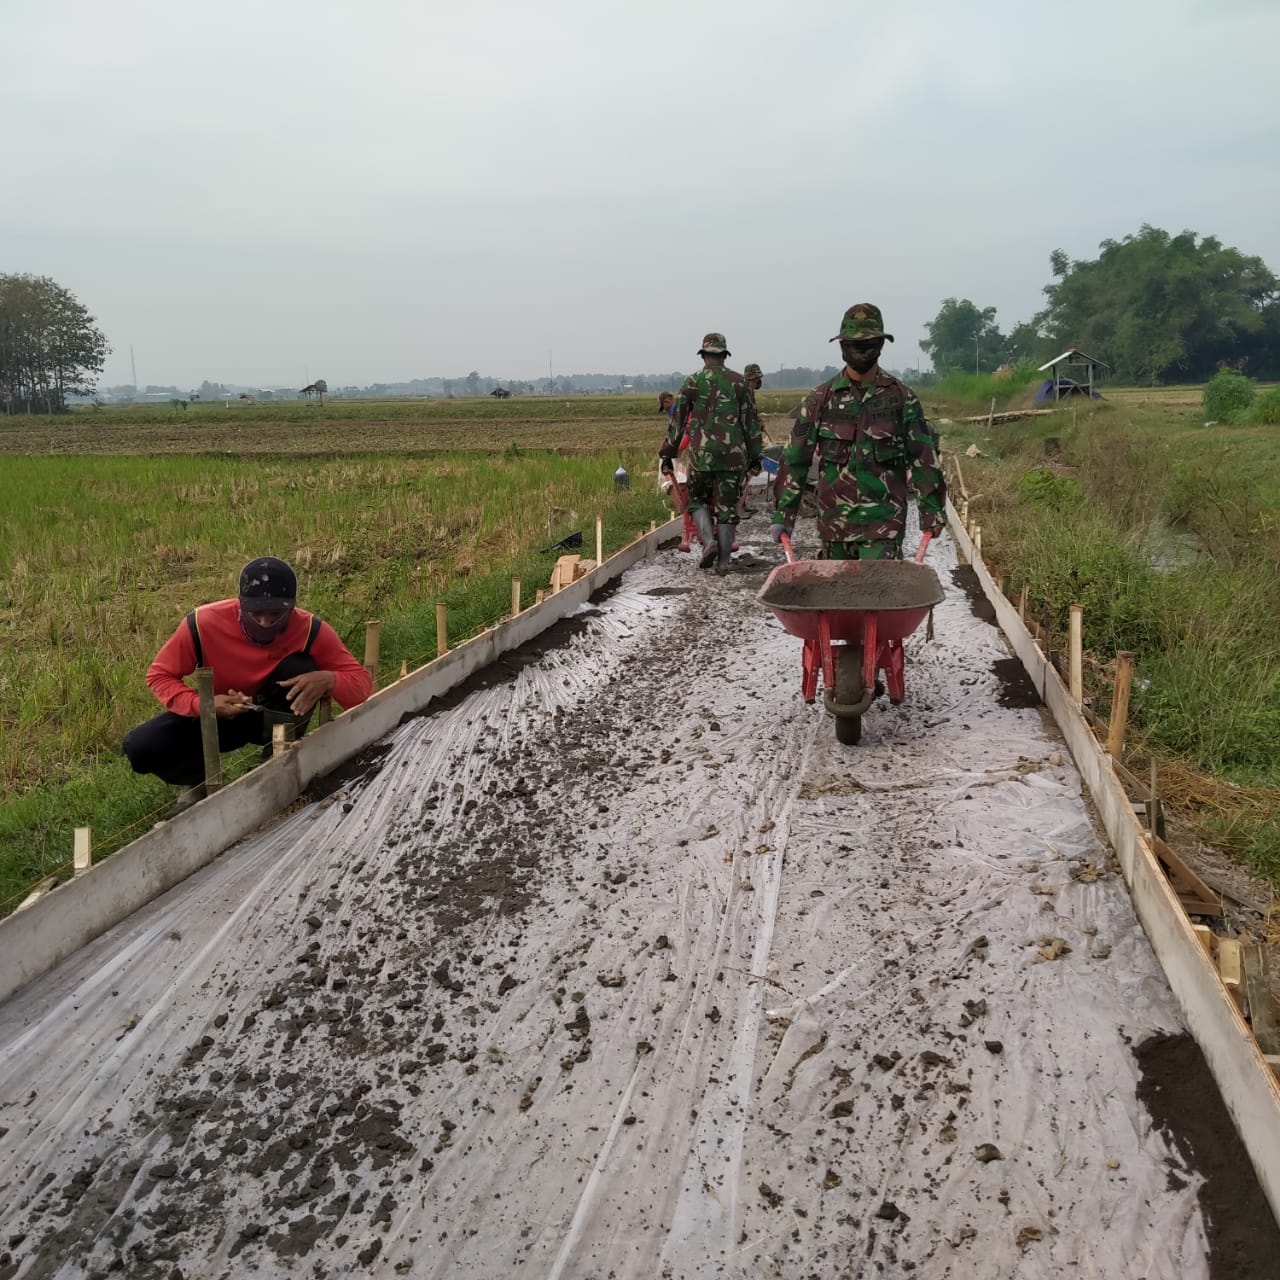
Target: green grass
(1172,551)
(972,393)
(103,556)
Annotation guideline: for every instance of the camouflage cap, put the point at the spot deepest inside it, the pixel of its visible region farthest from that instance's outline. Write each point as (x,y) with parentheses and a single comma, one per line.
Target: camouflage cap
(713,344)
(863,320)
(753,371)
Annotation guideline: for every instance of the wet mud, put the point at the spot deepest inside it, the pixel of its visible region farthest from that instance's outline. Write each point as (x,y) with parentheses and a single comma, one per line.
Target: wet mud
(864,585)
(966,579)
(1016,689)
(1183,1101)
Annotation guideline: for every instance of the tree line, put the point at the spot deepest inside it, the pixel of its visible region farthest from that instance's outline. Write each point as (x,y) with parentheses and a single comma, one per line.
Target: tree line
(50,347)
(1156,307)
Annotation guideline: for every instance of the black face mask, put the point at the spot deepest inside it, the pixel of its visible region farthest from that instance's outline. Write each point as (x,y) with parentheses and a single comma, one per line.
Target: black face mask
(254,630)
(861,357)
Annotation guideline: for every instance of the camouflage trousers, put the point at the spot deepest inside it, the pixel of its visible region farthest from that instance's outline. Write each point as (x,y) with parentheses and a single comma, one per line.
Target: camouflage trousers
(861,550)
(718,490)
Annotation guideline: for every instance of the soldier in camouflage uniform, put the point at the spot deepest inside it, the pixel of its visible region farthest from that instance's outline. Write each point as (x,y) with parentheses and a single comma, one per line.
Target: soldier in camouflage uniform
(718,411)
(873,446)
(754,377)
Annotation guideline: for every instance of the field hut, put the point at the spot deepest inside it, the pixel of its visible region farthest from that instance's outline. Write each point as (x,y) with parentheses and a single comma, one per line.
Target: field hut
(1060,383)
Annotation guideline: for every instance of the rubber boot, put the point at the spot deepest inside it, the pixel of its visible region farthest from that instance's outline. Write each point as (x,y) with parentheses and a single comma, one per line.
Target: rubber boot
(724,539)
(690,532)
(702,518)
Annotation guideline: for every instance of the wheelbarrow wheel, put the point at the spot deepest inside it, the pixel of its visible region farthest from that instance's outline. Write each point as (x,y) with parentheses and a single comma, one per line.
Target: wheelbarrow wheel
(848,692)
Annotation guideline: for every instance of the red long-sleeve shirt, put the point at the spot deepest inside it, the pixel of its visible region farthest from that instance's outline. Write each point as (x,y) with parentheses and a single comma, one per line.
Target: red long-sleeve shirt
(240,664)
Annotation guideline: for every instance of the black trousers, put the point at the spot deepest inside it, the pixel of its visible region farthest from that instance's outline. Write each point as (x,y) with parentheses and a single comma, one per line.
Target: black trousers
(171,746)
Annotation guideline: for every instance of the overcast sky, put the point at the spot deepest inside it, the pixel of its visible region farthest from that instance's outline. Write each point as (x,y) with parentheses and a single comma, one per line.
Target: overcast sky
(257,190)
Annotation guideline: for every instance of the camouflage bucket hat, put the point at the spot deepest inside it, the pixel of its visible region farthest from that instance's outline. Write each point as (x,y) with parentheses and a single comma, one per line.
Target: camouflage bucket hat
(713,344)
(753,371)
(863,320)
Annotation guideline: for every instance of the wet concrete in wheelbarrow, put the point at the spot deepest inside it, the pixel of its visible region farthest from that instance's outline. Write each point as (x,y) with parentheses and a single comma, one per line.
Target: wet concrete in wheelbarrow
(619,965)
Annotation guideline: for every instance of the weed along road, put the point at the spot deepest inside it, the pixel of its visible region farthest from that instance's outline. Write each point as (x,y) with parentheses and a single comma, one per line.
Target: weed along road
(617,964)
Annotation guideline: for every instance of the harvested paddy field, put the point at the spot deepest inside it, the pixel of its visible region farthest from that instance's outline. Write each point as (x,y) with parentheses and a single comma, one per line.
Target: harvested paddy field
(325,436)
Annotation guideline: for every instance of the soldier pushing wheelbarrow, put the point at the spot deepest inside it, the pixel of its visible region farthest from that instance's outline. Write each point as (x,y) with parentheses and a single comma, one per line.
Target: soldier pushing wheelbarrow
(868,435)
(872,444)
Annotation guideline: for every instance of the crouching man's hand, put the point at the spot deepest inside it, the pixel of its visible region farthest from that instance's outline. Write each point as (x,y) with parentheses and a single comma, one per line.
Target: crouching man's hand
(307,689)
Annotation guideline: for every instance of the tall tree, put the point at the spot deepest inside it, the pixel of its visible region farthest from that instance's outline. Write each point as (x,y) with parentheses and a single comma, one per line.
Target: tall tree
(963,338)
(1166,308)
(50,347)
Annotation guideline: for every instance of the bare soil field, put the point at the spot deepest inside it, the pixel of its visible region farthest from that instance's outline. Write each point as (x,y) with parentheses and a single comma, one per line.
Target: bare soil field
(241,436)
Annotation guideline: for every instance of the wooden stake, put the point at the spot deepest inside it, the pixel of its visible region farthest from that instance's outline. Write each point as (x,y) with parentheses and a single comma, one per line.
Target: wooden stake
(1262,1009)
(599,541)
(991,413)
(82,859)
(977,542)
(964,513)
(1077,654)
(326,709)
(1231,969)
(653,526)
(515,597)
(372,643)
(442,631)
(404,668)
(279,740)
(1155,808)
(209,731)
(1000,583)
(1120,705)
(1022,603)
(964,492)
(540,596)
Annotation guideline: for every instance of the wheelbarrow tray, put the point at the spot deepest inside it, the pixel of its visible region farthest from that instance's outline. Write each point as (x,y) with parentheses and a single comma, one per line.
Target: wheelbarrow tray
(899,593)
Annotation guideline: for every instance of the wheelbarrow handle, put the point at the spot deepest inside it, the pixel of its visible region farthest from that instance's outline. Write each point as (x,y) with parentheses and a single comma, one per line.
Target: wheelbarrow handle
(923,547)
(786,546)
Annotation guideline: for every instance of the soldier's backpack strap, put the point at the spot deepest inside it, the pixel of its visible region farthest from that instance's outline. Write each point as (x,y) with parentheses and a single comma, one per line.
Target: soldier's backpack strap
(193,625)
(312,631)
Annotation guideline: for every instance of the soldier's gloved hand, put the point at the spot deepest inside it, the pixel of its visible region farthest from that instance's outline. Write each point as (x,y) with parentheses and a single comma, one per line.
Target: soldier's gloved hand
(778,529)
(667,467)
(753,467)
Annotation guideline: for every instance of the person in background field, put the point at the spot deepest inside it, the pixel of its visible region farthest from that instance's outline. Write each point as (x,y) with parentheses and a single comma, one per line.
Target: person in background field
(753,375)
(719,413)
(272,662)
(676,481)
(868,434)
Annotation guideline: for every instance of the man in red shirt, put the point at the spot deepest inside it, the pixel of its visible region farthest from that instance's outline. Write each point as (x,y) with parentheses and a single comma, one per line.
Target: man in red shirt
(271,662)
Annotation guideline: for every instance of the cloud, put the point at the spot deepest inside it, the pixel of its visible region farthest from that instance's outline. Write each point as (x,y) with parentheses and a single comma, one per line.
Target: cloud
(397,188)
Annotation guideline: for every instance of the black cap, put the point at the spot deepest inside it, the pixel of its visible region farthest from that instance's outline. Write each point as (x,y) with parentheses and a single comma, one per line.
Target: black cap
(269,583)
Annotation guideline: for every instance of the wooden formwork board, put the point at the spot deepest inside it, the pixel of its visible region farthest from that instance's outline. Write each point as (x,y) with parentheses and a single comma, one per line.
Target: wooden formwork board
(1244,1076)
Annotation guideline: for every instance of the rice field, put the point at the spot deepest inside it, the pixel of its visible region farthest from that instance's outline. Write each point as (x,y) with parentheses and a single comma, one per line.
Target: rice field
(102,556)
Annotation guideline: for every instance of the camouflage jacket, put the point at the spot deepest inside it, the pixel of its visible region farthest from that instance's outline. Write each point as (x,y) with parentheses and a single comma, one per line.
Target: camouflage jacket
(873,446)
(718,410)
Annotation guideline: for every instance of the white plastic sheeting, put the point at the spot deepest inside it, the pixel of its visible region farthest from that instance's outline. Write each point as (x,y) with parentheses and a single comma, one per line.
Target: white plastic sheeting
(621,966)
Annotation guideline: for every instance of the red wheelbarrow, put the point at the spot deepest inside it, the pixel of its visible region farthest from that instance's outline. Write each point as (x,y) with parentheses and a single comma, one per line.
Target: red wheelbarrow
(853,616)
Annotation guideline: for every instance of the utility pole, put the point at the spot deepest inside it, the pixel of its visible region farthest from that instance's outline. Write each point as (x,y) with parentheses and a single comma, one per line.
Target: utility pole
(551,379)
(134,367)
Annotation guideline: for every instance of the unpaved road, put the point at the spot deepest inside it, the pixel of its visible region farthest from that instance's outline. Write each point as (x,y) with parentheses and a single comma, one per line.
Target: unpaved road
(619,966)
